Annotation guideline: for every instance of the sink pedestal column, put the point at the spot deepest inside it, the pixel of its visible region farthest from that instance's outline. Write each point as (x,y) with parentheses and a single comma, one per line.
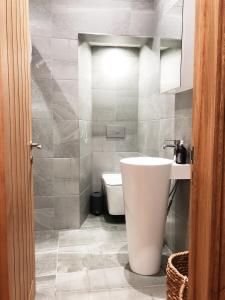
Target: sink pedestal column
(146,188)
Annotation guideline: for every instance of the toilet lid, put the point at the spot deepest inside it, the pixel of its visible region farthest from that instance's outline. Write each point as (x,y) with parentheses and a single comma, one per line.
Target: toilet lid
(112,179)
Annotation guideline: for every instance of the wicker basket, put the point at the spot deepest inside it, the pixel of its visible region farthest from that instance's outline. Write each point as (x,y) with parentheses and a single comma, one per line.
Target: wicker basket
(177,276)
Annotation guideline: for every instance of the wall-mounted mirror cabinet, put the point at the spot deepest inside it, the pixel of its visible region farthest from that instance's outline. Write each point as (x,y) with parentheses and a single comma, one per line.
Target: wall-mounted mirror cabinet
(177,55)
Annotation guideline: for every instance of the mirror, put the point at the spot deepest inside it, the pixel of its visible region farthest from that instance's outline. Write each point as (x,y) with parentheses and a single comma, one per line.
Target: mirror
(171,48)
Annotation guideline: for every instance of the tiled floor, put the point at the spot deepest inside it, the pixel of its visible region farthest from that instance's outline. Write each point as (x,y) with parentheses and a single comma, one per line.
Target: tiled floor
(91,264)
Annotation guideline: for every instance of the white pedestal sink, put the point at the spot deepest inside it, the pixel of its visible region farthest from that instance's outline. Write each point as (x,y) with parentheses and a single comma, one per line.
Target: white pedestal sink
(146,182)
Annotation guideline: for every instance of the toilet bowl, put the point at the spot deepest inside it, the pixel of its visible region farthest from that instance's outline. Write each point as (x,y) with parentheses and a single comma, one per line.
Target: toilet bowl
(114,193)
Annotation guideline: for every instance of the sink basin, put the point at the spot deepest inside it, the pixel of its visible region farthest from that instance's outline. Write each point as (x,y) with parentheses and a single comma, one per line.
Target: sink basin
(146,183)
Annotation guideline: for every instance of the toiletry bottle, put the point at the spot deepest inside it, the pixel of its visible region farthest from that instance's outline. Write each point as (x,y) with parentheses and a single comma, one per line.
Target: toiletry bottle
(181,154)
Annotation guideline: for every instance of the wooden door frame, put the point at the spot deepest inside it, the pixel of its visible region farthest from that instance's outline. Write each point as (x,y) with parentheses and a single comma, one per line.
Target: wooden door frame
(207,215)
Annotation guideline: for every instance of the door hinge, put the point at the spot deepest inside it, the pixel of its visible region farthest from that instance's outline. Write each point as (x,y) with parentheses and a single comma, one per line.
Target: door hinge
(192,153)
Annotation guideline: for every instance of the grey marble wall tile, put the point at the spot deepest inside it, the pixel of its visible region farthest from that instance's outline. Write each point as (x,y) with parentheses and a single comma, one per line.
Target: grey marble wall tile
(104,105)
(42,131)
(127,144)
(66,139)
(44,202)
(41,98)
(98,4)
(120,155)
(85,99)
(41,47)
(84,204)
(66,168)
(85,172)
(148,137)
(85,137)
(166,105)
(64,49)
(183,104)
(64,70)
(65,187)
(103,144)
(181,202)
(65,99)
(44,219)
(85,60)
(68,22)
(167,130)
(41,68)
(43,176)
(170,27)
(176,233)
(67,212)
(40,17)
(149,109)
(183,130)
(127,105)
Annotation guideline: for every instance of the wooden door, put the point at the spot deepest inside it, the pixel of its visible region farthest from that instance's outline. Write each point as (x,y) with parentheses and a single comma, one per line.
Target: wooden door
(16,203)
(207,228)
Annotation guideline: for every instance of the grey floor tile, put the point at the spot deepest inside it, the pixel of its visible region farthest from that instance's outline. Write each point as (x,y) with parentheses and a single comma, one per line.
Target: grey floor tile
(46,240)
(100,295)
(70,262)
(131,294)
(115,260)
(108,248)
(92,264)
(97,279)
(75,281)
(45,288)
(46,263)
(119,277)
(158,292)
(90,236)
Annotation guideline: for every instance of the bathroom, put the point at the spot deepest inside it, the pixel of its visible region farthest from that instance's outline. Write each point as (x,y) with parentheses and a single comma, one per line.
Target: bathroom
(83,83)
(106,107)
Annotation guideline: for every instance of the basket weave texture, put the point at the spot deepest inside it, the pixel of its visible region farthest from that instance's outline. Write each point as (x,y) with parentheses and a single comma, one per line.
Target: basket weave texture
(177,276)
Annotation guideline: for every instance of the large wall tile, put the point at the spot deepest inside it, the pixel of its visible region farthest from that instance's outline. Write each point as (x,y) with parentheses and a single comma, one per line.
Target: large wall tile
(85,172)
(41,68)
(66,139)
(64,70)
(44,219)
(44,202)
(84,204)
(41,47)
(41,98)
(40,17)
(65,99)
(67,212)
(64,49)
(69,21)
(43,177)
(85,137)
(183,104)
(43,134)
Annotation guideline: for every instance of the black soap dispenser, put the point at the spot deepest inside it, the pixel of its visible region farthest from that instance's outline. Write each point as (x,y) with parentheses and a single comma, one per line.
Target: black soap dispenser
(181,154)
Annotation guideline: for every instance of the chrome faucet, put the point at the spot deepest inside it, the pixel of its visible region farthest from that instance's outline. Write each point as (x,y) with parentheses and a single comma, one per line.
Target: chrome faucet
(175,144)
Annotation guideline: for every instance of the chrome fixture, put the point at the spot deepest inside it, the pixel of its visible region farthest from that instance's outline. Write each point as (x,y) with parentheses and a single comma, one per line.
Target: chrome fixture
(174,144)
(35,145)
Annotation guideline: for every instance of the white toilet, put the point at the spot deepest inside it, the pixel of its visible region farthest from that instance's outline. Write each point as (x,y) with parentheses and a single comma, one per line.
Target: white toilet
(114,193)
